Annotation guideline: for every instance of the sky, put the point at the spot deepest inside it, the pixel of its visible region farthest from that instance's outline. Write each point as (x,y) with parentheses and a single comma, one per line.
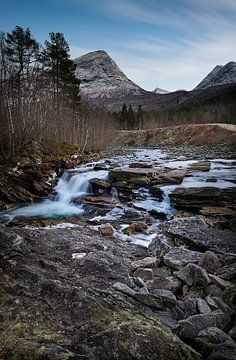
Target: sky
(170,44)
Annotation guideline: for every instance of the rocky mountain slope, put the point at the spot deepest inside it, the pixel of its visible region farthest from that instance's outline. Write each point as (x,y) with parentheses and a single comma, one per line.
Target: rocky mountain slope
(105,84)
(101,77)
(220,75)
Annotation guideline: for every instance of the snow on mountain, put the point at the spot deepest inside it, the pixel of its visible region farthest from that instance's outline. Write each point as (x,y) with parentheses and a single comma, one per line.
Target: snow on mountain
(160,91)
(101,77)
(220,75)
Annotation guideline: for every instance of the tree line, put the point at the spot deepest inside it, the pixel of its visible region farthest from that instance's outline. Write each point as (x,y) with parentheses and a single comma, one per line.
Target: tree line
(40,97)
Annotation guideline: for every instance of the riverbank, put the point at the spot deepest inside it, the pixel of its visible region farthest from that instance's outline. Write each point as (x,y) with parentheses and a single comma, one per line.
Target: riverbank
(143,271)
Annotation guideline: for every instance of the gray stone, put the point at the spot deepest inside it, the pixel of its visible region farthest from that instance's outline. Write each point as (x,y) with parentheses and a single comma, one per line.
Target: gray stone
(197,198)
(203,307)
(189,306)
(159,246)
(194,274)
(220,282)
(106,230)
(210,261)
(190,327)
(178,257)
(168,298)
(225,351)
(124,289)
(232,332)
(148,262)
(228,272)
(208,338)
(145,274)
(195,233)
(150,300)
(223,306)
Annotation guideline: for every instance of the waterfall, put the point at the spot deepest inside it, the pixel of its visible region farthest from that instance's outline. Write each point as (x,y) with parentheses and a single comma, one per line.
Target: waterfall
(71,186)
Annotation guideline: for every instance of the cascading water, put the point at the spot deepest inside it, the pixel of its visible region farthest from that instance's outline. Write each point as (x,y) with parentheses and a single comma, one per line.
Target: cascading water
(71,186)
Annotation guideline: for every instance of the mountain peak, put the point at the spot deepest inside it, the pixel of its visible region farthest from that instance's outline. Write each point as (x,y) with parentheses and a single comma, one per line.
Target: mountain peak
(100,76)
(220,75)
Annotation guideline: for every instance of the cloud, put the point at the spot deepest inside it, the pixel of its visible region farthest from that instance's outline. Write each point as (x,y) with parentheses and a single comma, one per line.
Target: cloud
(194,38)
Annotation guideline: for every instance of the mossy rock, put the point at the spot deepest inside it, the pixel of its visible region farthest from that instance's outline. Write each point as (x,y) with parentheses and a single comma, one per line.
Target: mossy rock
(229,297)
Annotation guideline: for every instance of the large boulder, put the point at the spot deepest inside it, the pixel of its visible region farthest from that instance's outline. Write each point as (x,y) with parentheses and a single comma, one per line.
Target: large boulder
(196,234)
(178,257)
(197,198)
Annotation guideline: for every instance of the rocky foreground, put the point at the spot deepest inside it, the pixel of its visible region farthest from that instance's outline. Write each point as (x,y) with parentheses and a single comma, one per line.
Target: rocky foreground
(82,293)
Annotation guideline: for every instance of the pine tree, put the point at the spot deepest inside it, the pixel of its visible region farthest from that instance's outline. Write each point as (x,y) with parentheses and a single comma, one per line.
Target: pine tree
(123,117)
(131,118)
(139,117)
(60,68)
(21,52)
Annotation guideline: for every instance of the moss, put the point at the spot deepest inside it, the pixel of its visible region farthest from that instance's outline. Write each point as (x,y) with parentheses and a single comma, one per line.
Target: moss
(229,297)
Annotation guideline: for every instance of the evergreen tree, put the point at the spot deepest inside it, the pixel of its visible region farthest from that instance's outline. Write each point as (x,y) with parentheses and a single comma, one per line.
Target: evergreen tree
(123,117)
(130,119)
(60,68)
(139,117)
(20,53)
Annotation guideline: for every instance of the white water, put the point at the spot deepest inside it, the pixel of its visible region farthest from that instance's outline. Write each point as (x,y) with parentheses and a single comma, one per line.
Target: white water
(72,185)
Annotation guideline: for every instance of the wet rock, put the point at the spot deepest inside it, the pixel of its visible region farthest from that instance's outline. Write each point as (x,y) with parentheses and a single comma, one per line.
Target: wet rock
(194,275)
(140,176)
(145,274)
(98,201)
(190,327)
(100,186)
(101,166)
(148,262)
(201,166)
(156,190)
(208,338)
(228,272)
(142,164)
(197,198)
(178,257)
(157,214)
(135,227)
(169,177)
(131,214)
(106,230)
(218,211)
(210,261)
(195,233)
(203,307)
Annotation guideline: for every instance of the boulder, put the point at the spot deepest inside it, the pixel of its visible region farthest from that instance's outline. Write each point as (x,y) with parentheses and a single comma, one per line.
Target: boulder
(145,274)
(189,328)
(200,166)
(168,298)
(100,186)
(224,351)
(218,211)
(227,272)
(196,234)
(210,261)
(203,307)
(148,262)
(106,230)
(164,280)
(193,274)
(142,164)
(197,198)
(209,337)
(188,306)
(178,257)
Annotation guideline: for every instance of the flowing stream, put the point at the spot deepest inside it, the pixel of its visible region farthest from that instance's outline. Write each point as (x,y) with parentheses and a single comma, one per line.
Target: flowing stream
(75,185)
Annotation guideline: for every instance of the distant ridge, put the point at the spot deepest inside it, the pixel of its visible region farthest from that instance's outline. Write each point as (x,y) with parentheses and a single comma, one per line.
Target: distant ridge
(220,75)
